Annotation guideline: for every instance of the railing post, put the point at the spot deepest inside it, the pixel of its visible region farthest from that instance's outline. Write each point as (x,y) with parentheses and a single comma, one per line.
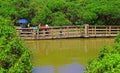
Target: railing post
(51,32)
(86,30)
(67,31)
(109,30)
(37,33)
(117,30)
(33,33)
(18,31)
(95,31)
(77,31)
(92,30)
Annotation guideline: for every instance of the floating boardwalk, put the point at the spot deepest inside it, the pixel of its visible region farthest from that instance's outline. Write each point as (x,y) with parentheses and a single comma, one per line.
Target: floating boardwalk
(68,32)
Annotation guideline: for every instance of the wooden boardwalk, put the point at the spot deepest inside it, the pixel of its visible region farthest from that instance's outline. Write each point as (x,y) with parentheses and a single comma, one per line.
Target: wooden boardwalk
(68,32)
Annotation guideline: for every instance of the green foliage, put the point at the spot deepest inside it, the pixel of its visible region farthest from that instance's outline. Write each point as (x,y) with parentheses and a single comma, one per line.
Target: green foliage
(110,63)
(74,12)
(14,58)
(117,39)
(108,60)
(58,18)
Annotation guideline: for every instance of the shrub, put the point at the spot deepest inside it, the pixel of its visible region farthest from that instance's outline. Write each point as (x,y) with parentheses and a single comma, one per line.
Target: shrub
(14,57)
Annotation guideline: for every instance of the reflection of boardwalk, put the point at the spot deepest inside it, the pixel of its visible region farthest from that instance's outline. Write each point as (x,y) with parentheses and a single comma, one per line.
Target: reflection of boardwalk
(68,32)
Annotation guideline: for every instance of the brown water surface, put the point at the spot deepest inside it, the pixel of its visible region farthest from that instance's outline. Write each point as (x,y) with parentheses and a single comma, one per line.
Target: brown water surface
(62,52)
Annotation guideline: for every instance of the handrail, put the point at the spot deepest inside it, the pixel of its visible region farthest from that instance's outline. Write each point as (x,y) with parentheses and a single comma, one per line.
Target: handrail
(68,31)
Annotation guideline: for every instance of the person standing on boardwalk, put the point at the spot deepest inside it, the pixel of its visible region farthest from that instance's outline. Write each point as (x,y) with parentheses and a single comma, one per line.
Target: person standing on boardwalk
(60,30)
(46,29)
(39,27)
(35,28)
(28,25)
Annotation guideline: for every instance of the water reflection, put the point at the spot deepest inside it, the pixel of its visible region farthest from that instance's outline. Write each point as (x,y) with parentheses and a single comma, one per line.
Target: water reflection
(68,68)
(64,55)
(45,69)
(71,68)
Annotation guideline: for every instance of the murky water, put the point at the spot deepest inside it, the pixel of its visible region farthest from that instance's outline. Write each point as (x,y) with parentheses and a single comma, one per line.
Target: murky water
(64,55)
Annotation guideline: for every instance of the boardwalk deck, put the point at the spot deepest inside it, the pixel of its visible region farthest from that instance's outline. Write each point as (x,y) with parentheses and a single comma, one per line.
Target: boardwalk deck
(68,32)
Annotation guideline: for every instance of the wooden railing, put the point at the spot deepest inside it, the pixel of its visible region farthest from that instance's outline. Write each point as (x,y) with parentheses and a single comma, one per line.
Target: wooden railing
(101,31)
(68,32)
(51,32)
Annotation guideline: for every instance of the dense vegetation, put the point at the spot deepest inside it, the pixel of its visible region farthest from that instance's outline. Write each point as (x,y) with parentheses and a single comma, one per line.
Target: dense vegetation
(63,12)
(14,58)
(108,60)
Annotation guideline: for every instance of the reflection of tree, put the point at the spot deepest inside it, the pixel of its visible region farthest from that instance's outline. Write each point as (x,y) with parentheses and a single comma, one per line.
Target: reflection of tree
(61,49)
(46,47)
(86,45)
(86,42)
(35,46)
(60,42)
